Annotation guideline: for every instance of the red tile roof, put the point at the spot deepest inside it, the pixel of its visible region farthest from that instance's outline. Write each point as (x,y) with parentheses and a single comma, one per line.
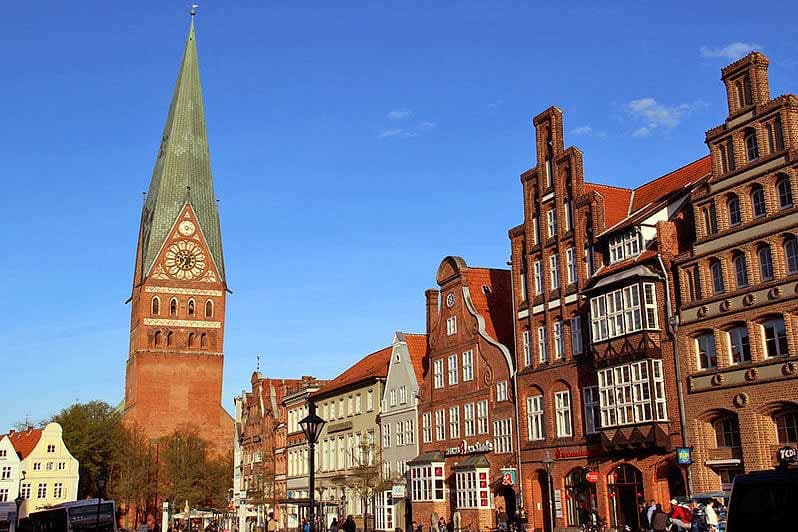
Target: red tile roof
(671,182)
(373,366)
(493,304)
(25,441)
(417,347)
(616,201)
(618,266)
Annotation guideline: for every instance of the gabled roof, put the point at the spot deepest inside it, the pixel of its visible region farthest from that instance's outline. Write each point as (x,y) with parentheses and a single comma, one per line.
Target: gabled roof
(373,366)
(25,441)
(183,161)
(616,201)
(493,304)
(417,347)
(671,182)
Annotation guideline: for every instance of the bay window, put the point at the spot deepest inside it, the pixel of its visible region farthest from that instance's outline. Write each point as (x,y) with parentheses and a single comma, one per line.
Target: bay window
(632,393)
(426,482)
(472,488)
(620,312)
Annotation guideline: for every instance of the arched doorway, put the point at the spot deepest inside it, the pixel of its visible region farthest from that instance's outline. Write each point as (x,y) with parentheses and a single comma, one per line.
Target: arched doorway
(625,484)
(580,496)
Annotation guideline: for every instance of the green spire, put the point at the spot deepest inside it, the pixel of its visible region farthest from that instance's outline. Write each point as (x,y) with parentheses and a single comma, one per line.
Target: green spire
(182,170)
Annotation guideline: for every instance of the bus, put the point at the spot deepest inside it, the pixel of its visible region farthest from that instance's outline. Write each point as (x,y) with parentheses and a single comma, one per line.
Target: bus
(88,515)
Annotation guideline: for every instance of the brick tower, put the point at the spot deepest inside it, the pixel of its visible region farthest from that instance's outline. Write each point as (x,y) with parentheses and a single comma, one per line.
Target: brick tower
(175,362)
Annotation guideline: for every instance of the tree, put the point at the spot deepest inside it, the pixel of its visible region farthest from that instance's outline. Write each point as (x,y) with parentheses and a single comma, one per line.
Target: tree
(136,467)
(364,478)
(183,457)
(94,435)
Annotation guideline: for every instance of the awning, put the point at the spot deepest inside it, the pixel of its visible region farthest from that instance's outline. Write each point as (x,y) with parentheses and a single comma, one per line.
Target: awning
(472,462)
(634,271)
(427,458)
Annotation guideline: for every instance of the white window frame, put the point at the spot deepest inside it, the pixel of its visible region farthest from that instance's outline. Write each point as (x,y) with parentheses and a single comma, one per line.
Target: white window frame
(451,325)
(426,427)
(551,223)
(570,264)
(386,436)
(503,436)
(468,419)
(538,276)
(625,245)
(622,311)
(392,395)
(526,347)
(501,391)
(468,365)
(402,394)
(400,433)
(437,373)
(554,272)
(559,340)
(453,371)
(536,426)
(440,425)
(482,417)
(454,422)
(426,482)
(632,393)
(562,414)
(543,351)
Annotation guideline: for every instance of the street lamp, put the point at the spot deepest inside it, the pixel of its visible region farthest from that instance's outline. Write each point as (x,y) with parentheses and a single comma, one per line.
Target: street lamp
(20,499)
(311,426)
(548,461)
(102,480)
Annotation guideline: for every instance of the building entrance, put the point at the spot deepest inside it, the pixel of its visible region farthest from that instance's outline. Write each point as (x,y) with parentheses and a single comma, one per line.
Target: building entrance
(625,486)
(580,496)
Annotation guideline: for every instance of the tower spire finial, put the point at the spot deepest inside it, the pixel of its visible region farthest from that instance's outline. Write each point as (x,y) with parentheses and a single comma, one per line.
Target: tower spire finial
(193,11)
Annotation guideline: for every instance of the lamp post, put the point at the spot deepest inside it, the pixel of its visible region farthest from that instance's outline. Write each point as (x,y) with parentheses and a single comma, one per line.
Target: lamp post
(311,426)
(548,461)
(102,480)
(19,500)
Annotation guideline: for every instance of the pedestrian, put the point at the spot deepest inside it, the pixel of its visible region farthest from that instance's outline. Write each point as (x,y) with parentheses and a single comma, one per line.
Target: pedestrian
(652,507)
(415,527)
(441,524)
(272,525)
(349,524)
(433,521)
(659,519)
(711,516)
(501,519)
(334,525)
(305,525)
(681,517)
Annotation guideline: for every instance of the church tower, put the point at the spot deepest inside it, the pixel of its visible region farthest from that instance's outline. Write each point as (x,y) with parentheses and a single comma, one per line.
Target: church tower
(175,362)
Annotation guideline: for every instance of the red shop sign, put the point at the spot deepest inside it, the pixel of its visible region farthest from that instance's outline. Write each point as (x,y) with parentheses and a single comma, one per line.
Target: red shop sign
(592,476)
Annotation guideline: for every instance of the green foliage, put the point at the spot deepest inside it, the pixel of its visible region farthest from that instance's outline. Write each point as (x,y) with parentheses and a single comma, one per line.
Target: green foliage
(183,459)
(93,433)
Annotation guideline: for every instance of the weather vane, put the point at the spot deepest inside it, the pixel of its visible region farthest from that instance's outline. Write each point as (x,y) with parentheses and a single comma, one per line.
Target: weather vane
(193,11)
(257,366)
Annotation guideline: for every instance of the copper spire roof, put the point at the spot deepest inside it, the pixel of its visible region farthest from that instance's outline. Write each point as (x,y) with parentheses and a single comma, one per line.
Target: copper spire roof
(182,170)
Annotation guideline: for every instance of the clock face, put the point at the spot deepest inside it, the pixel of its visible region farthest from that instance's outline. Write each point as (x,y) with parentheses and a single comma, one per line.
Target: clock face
(185,259)
(450,300)
(186,228)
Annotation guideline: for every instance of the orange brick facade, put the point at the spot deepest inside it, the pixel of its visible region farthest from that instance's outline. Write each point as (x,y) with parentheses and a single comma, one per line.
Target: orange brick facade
(738,311)
(175,364)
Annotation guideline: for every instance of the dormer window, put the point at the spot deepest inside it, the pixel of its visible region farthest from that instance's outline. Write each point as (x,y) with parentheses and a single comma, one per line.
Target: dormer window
(624,245)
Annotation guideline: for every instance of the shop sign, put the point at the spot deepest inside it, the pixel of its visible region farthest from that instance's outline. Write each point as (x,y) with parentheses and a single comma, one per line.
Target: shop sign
(508,476)
(787,455)
(579,453)
(684,456)
(592,476)
(398,491)
(465,448)
(558,503)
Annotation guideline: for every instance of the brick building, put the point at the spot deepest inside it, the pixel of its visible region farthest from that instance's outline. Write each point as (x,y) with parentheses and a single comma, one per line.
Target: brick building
(738,293)
(261,434)
(175,361)
(465,404)
(597,375)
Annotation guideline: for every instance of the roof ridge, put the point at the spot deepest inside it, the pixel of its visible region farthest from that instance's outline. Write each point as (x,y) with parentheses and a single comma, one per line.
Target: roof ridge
(608,186)
(666,174)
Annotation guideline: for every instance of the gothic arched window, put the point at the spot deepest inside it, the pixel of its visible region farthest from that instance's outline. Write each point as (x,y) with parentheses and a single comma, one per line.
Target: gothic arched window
(791,254)
(758,201)
(203,340)
(157,338)
(155,308)
(209,309)
(784,192)
(191,340)
(173,307)
(765,263)
(733,206)
(751,145)
(190,307)
(169,337)
(740,270)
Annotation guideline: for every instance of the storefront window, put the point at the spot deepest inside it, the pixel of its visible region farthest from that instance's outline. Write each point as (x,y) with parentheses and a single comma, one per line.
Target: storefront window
(426,482)
(580,497)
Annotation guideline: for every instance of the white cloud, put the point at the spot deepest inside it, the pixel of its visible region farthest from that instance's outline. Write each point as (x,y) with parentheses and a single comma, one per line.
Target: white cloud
(390,133)
(582,130)
(657,116)
(399,114)
(731,51)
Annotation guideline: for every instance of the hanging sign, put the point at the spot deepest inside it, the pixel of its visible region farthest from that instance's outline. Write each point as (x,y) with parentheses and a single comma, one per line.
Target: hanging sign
(684,456)
(787,454)
(508,476)
(592,476)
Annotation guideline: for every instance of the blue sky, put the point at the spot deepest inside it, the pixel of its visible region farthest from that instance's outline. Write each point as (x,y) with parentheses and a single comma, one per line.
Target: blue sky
(353,145)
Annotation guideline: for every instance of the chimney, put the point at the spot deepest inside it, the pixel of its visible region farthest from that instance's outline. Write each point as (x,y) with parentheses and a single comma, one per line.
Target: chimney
(432,311)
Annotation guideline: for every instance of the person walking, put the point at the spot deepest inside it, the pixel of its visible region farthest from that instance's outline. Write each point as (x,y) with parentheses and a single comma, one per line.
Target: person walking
(441,524)
(271,524)
(349,524)
(681,517)
(501,519)
(652,507)
(334,525)
(711,516)
(659,519)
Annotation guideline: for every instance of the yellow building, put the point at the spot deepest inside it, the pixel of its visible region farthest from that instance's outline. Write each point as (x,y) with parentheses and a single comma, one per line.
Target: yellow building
(49,472)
